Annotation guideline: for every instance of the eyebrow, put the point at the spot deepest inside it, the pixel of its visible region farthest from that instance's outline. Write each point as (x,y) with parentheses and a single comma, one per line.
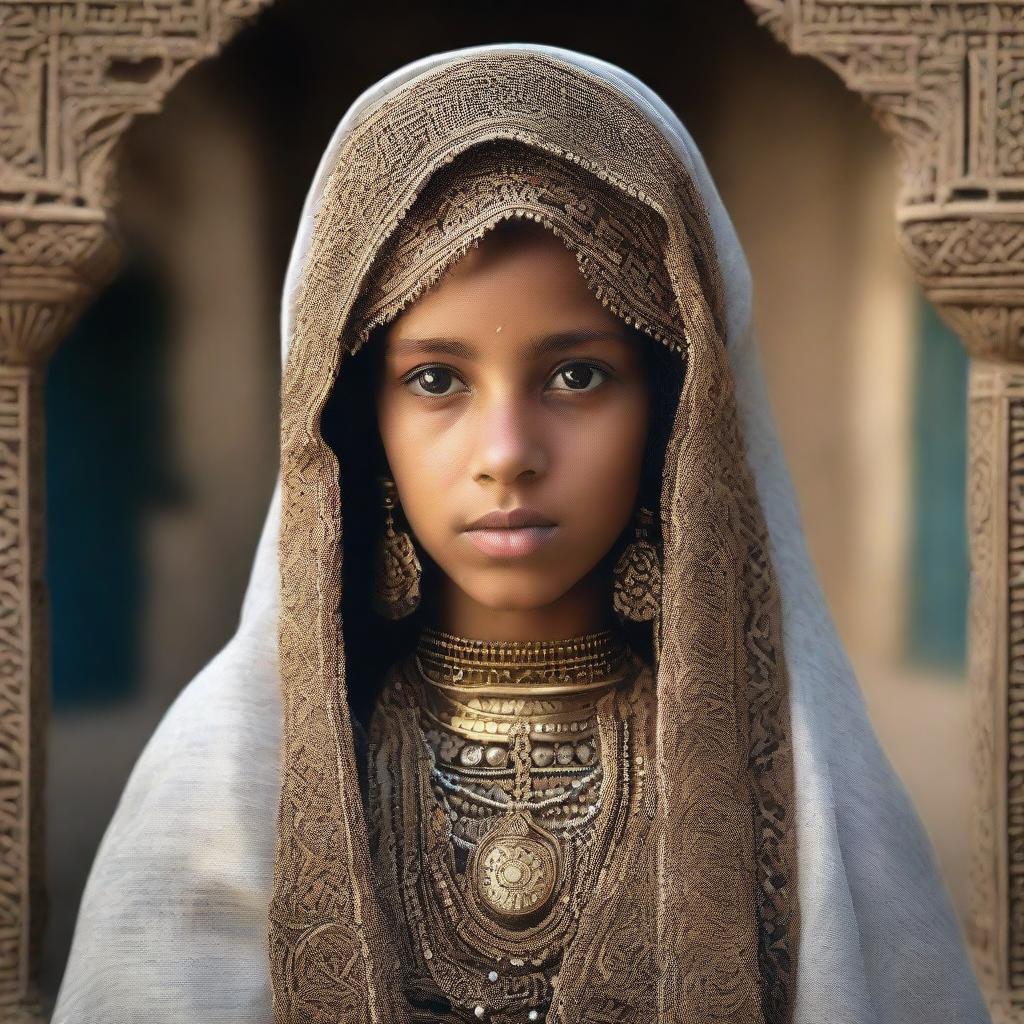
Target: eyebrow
(558,342)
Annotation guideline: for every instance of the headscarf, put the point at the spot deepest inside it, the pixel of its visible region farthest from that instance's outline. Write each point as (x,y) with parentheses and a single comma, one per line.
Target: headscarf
(794,878)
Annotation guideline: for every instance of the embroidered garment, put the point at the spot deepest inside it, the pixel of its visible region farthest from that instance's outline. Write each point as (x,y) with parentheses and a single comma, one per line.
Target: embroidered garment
(514,904)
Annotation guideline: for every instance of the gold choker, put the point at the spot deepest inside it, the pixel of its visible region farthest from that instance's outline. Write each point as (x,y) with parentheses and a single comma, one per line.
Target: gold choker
(520,668)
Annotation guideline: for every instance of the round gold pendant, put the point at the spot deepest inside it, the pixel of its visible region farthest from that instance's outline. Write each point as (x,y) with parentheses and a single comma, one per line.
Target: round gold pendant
(515,870)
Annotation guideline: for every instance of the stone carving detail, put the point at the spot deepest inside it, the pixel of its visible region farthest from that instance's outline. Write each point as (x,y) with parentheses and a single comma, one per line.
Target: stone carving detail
(986,454)
(1015,690)
(16,819)
(73,75)
(996,669)
(72,78)
(946,80)
(48,270)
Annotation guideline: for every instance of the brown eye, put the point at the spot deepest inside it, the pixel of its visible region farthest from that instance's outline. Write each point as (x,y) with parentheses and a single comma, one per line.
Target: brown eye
(579,377)
(435,381)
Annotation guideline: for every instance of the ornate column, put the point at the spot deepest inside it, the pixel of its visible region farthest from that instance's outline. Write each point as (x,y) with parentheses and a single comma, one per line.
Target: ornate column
(946,80)
(73,75)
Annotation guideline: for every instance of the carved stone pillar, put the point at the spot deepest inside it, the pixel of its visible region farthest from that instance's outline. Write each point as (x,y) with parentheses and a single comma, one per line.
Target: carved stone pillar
(946,80)
(48,271)
(72,78)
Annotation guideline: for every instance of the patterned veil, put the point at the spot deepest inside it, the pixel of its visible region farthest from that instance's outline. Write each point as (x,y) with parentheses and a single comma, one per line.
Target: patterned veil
(793,880)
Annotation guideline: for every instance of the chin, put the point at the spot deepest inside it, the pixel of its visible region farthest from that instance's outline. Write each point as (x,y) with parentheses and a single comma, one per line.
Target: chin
(504,595)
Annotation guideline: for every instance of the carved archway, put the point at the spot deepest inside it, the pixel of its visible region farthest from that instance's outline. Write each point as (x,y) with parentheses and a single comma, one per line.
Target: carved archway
(946,79)
(72,78)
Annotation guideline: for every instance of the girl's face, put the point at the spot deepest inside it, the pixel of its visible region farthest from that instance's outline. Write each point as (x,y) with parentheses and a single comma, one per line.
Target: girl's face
(513,408)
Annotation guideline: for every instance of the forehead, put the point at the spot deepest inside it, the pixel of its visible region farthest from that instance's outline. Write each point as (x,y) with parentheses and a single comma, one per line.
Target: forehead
(520,277)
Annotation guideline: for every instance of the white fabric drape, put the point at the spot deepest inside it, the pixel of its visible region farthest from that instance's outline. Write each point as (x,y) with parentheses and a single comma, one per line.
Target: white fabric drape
(173,923)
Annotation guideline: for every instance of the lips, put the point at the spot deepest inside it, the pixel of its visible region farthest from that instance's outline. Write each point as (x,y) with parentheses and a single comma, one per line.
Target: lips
(513,534)
(510,520)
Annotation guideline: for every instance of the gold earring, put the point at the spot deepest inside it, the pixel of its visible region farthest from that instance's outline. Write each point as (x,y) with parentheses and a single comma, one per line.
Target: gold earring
(397,569)
(637,575)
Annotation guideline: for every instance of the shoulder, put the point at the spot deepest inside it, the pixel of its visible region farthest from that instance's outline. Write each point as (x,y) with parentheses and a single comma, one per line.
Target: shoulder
(400,683)
(638,697)
(399,693)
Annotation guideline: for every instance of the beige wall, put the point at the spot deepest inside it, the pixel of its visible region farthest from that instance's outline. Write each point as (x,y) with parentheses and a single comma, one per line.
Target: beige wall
(194,198)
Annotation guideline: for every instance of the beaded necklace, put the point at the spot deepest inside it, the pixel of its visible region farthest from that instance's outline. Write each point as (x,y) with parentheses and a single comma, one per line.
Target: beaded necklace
(494,858)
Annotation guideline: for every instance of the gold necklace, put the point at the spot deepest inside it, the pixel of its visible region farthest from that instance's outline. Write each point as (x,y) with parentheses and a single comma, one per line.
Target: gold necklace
(521,704)
(491,876)
(510,667)
(479,689)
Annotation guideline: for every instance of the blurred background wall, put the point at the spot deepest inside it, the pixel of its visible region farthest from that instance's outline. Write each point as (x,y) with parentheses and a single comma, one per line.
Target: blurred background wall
(162,406)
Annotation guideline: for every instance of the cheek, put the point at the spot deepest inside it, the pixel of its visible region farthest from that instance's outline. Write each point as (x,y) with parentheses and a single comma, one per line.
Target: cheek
(602,466)
(423,463)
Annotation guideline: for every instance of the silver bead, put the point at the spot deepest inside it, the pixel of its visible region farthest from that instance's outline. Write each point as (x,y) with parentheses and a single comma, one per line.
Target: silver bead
(492,976)
(542,756)
(471,755)
(533,1015)
(479,1011)
(495,756)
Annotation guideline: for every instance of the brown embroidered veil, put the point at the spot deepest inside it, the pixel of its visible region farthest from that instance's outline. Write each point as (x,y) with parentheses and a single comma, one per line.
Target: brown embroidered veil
(425,172)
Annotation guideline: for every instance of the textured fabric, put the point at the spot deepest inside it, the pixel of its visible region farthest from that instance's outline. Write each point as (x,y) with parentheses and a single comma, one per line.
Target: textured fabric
(174,922)
(618,241)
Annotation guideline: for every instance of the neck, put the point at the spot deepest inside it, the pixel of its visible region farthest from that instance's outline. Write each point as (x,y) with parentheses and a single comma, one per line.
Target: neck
(584,608)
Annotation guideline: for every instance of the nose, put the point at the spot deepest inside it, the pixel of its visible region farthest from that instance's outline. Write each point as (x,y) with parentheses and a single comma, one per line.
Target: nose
(509,444)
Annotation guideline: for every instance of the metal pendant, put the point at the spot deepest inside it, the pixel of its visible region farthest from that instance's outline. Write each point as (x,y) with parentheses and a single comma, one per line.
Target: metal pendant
(515,870)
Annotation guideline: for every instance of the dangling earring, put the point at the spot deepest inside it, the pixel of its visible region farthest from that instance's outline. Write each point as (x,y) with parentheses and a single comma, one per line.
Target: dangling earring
(637,575)
(397,569)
